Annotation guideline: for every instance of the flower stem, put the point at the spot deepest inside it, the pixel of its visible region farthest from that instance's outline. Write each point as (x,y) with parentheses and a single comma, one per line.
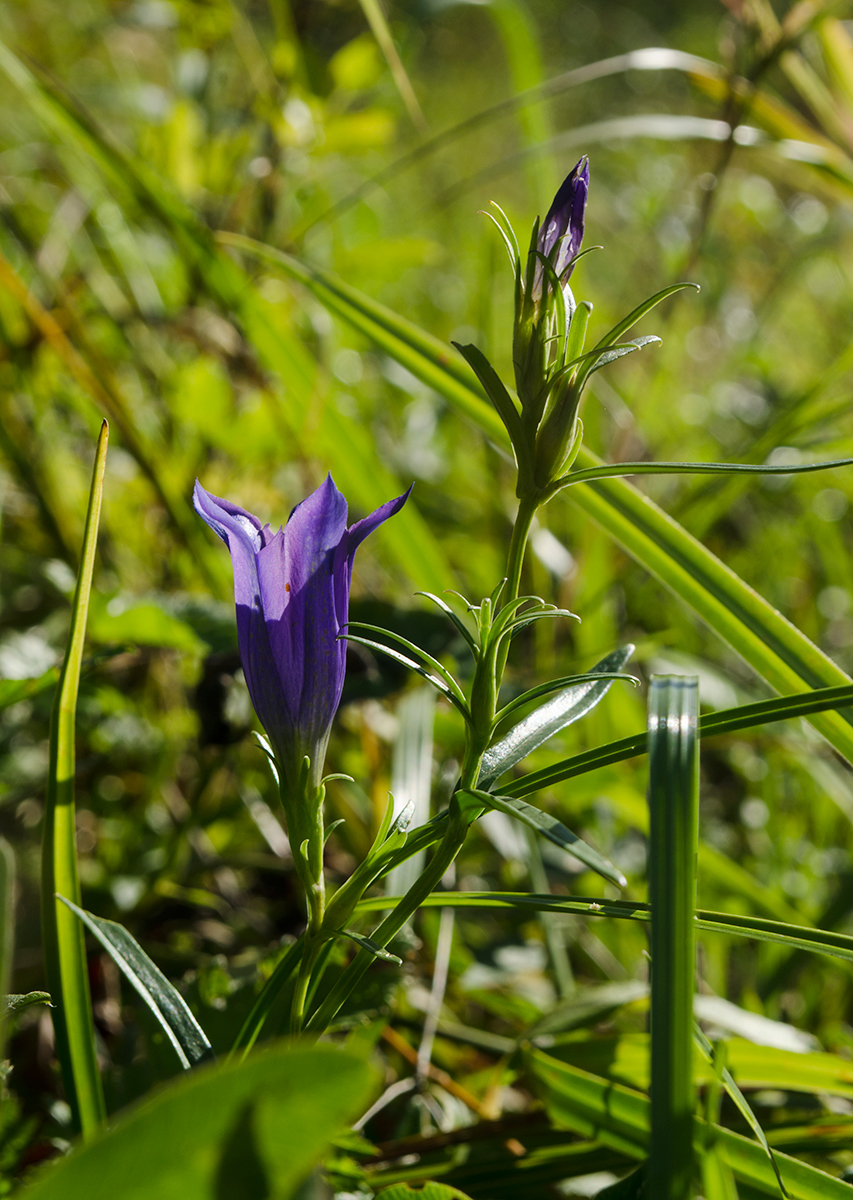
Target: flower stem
(303,983)
(527,507)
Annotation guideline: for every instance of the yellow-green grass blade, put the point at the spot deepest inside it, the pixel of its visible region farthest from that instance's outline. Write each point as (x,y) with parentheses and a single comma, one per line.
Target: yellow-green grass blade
(673,842)
(774,647)
(7,932)
(62,935)
(620,1117)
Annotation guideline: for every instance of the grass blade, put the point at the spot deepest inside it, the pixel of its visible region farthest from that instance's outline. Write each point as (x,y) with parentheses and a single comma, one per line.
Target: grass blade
(673,843)
(62,936)
(798,937)
(620,1117)
(726,720)
(766,639)
(166,1003)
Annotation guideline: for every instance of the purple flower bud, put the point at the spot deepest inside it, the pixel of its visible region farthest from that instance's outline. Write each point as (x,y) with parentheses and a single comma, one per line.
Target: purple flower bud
(292,594)
(563,224)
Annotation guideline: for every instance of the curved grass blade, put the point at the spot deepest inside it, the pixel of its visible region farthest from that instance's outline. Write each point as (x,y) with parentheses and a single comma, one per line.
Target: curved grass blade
(774,647)
(739,1100)
(552,829)
(562,710)
(673,844)
(726,720)
(62,937)
(627,323)
(19,1003)
(494,388)
(188,1039)
(457,621)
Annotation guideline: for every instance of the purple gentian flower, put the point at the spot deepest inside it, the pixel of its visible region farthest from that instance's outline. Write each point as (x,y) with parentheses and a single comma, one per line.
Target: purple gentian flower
(292,594)
(563,226)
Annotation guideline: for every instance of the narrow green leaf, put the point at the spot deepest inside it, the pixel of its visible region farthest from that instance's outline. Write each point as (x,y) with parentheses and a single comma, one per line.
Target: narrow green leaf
(614,470)
(457,620)
(816,941)
(19,1003)
(766,640)
(556,685)
(725,720)
(673,842)
(740,1101)
(366,944)
(254,1128)
(495,390)
(187,1037)
(62,937)
(562,710)
(552,829)
(437,683)
(628,323)
(428,659)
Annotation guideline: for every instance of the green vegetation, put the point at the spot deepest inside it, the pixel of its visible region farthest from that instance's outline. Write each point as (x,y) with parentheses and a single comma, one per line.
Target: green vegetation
(247,236)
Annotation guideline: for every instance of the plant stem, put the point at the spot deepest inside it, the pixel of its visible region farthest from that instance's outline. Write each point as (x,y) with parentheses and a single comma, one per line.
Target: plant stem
(303,983)
(527,507)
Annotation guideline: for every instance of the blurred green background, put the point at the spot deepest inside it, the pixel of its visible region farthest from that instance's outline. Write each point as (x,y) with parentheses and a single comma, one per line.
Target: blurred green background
(320,129)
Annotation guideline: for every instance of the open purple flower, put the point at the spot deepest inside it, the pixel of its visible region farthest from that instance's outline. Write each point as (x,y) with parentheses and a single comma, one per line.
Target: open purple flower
(563,225)
(292,594)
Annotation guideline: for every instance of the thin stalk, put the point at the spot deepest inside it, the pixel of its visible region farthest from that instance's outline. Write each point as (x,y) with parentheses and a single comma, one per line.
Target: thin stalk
(303,984)
(62,934)
(673,848)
